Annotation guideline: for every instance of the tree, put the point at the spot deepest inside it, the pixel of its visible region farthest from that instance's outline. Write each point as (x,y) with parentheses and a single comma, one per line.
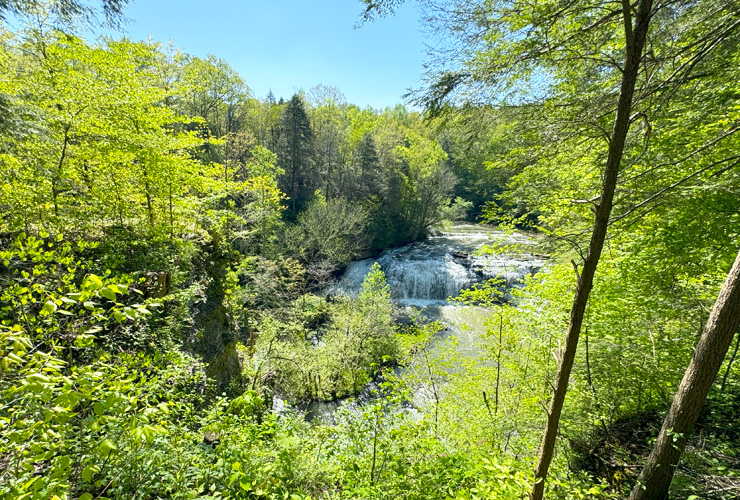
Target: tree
(362,333)
(564,63)
(295,154)
(97,148)
(634,43)
(715,340)
(426,186)
(331,231)
(263,119)
(67,10)
(329,126)
(482,144)
(370,178)
(211,89)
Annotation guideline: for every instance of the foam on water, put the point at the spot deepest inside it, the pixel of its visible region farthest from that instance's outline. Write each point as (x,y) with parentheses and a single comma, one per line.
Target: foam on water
(440,267)
(422,276)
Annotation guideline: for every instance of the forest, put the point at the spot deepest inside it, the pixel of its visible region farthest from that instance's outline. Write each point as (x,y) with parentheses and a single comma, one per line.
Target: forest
(207,294)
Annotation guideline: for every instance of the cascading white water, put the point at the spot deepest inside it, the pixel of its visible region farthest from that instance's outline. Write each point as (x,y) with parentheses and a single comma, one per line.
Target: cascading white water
(426,274)
(439,268)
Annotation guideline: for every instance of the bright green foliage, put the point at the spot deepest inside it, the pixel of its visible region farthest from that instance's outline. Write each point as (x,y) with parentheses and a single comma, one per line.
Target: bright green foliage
(40,294)
(247,207)
(210,89)
(335,349)
(165,169)
(426,183)
(362,337)
(98,148)
(49,402)
(329,232)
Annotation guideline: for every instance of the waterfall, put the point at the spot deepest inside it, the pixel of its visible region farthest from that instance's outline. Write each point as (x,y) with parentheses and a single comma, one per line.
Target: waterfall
(425,274)
(439,268)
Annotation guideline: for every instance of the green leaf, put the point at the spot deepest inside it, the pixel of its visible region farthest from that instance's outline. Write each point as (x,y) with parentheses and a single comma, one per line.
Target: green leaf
(107,446)
(49,307)
(92,283)
(99,408)
(87,474)
(37,377)
(14,358)
(108,293)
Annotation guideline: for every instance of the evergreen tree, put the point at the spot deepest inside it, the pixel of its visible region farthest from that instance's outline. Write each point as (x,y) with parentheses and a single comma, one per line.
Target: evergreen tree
(295,154)
(368,168)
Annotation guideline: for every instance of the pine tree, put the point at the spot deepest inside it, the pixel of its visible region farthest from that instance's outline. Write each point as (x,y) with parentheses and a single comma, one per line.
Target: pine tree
(295,155)
(368,168)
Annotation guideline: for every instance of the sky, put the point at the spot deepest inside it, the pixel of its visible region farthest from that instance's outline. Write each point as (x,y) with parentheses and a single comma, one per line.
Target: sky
(287,45)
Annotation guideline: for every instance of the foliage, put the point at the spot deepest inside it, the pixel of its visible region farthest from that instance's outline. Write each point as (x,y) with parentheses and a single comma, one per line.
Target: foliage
(99,150)
(50,402)
(123,163)
(68,10)
(426,183)
(330,231)
(328,350)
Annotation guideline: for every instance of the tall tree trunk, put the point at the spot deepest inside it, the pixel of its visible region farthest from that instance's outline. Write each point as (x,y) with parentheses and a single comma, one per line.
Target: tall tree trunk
(148,194)
(723,322)
(635,41)
(60,167)
(729,363)
(498,358)
(172,219)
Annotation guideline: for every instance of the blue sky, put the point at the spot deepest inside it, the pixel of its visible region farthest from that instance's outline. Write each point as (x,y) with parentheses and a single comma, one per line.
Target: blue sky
(286,45)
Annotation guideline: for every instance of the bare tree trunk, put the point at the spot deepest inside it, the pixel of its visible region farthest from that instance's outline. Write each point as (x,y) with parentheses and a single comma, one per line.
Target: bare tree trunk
(723,322)
(172,219)
(635,41)
(729,363)
(58,175)
(498,358)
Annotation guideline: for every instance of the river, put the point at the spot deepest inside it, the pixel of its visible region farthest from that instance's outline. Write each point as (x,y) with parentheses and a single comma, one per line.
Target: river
(423,276)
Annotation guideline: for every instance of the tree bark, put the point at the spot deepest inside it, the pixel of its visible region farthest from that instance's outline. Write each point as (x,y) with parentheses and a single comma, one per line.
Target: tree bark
(635,41)
(723,322)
